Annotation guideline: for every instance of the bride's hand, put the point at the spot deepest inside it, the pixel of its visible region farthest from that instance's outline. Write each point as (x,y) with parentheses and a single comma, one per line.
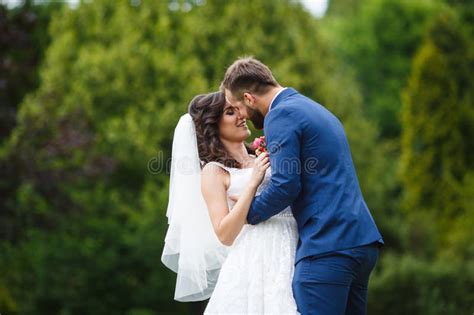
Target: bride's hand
(262,162)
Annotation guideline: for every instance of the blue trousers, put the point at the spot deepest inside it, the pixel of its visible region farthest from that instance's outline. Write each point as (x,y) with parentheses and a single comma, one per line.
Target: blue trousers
(335,283)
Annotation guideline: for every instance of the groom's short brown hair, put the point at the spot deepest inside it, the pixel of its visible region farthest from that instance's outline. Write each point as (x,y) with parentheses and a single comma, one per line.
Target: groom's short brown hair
(247,74)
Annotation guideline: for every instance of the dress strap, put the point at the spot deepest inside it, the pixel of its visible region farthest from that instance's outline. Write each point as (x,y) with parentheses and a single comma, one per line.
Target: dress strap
(228,169)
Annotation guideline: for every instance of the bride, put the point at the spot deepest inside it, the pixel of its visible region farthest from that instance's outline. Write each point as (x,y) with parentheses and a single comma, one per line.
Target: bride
(244,269)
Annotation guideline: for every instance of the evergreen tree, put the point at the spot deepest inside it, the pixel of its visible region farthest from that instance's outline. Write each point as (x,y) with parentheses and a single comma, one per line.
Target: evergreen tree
(438,119)
(378,38)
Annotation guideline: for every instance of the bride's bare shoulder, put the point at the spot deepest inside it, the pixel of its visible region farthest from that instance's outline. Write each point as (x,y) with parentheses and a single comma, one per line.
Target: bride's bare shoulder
(213,173)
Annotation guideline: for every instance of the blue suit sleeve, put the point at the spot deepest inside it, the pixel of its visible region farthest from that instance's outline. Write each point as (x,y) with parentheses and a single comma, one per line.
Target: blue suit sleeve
(282,135)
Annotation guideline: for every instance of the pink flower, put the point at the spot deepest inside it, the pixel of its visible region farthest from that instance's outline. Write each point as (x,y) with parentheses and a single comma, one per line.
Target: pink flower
(259,145)
(256,143)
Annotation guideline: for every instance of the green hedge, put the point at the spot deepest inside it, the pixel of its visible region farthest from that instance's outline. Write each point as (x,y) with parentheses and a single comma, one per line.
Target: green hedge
(408,285)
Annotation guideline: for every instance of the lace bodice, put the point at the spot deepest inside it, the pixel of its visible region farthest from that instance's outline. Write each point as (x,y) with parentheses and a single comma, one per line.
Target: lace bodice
(239,177)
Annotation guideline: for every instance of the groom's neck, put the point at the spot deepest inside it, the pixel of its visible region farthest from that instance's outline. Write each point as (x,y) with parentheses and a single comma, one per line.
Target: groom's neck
(268,97)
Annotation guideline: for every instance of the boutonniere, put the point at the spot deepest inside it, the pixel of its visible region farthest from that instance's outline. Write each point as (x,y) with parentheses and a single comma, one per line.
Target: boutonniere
(259,145)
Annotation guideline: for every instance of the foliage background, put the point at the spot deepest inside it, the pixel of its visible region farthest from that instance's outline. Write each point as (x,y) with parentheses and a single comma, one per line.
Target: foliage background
(90,96)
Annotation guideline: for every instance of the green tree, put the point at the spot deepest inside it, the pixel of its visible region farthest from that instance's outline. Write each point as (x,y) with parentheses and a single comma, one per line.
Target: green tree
(343,7)
(378,38)
(89,216)
(438,117)
(23,40)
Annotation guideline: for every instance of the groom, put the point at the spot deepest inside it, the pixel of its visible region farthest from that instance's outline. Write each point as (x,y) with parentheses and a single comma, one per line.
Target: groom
(312,170)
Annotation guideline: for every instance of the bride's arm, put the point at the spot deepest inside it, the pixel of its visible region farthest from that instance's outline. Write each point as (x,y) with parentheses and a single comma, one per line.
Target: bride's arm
(228,224)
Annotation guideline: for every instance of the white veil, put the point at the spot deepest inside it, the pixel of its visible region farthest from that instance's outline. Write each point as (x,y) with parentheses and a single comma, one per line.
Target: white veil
(191,249)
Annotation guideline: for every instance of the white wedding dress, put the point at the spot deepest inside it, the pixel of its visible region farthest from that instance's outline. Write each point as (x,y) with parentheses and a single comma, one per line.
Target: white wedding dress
(257,274)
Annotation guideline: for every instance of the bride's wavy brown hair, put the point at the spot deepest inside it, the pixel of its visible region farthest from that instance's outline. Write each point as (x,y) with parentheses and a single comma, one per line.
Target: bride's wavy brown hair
(206,111)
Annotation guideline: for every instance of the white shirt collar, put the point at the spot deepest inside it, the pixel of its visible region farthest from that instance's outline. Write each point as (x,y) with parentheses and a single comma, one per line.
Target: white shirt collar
(278,93)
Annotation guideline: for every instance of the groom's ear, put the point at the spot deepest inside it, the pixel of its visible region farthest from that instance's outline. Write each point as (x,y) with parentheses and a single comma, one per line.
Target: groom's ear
(249,100)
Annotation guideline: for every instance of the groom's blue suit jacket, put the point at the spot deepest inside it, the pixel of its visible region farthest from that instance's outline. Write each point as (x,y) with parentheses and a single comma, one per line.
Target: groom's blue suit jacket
(313,172)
